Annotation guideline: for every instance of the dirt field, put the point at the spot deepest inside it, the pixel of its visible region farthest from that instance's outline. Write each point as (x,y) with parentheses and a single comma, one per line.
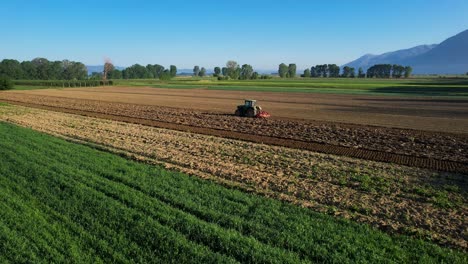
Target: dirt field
(422,203)
(445,115)
(407,147)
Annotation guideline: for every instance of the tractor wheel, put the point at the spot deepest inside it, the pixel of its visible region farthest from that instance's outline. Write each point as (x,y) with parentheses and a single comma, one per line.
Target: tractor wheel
(237,113)
(250,112)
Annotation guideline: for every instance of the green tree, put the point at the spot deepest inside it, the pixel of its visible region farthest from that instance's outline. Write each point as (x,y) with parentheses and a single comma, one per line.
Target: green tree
(115,74)
(233,69)
(217,71)
(5,83)
(224,71)
(346,72)
(352,72)
(29,70)
(42,66)
(306,73)
(283,70)
(292,69)
(246,72)
(254,76)
(173,70)
(408,71)
(166,75)
(361,73)
(11,68)
(136,71)
(313,72)
(202,72)
(333,70)
(196,71)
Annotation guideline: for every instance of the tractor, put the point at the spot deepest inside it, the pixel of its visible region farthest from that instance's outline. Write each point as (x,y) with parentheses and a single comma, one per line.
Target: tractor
(251,109)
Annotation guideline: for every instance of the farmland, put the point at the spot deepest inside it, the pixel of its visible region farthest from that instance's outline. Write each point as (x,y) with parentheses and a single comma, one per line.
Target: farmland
(394,166)
(86,205)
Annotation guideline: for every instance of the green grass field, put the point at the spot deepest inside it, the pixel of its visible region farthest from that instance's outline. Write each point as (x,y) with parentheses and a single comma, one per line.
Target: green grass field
(451,87)
(64,202)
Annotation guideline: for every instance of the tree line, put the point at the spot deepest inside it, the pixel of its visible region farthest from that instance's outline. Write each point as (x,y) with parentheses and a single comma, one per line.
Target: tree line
(43,69)
(232,71)
(334,71)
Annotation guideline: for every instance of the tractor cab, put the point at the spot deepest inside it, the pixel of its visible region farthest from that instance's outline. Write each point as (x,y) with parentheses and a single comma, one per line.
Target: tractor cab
(250,103)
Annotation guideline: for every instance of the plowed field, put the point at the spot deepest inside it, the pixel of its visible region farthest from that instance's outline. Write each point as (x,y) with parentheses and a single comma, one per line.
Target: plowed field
(413,201)
(402,146)
(421,113)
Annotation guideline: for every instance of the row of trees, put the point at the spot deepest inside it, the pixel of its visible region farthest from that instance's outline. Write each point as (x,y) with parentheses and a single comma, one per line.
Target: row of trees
(389,70)
(232,71)
(333,71)
(43,69)
(136,71)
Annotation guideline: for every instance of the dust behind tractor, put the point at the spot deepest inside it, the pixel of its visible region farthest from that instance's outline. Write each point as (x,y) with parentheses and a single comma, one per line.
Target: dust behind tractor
(251,109)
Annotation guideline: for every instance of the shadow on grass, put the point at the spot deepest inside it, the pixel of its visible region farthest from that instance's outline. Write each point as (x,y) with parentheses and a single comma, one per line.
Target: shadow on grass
(423,91)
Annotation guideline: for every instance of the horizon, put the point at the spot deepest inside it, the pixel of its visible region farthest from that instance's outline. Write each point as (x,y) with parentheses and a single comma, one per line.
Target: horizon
(146,33)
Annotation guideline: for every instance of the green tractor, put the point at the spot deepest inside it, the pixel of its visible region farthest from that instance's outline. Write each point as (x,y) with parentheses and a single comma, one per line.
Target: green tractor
(250,109)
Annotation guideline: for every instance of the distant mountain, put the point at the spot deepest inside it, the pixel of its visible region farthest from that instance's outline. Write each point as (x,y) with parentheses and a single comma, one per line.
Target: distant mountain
(99,68)
(448,57)
(393,57)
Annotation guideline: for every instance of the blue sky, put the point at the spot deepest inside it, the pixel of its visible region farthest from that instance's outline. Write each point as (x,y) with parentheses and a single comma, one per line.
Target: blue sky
(208,33)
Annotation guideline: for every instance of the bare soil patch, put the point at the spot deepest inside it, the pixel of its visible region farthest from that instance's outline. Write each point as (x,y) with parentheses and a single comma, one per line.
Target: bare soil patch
(432,147)
(421,113)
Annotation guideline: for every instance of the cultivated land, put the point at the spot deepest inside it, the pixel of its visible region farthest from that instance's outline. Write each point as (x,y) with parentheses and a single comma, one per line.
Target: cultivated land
(187,125)
(422,203)
(86,205)
(422,113)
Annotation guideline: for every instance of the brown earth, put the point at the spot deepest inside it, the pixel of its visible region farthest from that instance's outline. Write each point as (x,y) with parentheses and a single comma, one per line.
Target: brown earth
(407,147)
(422,203)
(421,113)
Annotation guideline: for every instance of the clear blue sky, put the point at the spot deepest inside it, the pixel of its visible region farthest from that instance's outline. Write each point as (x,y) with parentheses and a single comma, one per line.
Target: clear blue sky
(208,33)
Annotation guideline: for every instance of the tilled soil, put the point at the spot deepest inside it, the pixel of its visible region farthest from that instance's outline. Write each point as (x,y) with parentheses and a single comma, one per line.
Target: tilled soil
(432,145)
(426,204)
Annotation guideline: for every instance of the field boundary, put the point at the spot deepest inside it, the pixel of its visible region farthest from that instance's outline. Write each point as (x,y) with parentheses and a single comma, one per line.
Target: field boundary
(380,156)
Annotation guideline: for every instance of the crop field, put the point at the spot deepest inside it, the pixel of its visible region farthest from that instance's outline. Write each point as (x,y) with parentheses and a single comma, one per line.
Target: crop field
(434,202)
(357,167)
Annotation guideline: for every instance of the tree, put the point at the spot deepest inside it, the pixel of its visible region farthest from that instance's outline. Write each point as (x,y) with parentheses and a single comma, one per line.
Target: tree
(346,72)
(254,76)
(55,70)
(114,74)
(41,65)
(153,71)
(361,73)
(108,67)
(202,72)
(246,72)
(313,72)
(333,70)
(166,75)
(173,70)
(306,73)
(408,71)
(196,70)
(233,69)
(29,70)
(292,69)
(5,83)
(283,70)
(224,71)
(136,71)
(352,72)
(11,68)
(217,71)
